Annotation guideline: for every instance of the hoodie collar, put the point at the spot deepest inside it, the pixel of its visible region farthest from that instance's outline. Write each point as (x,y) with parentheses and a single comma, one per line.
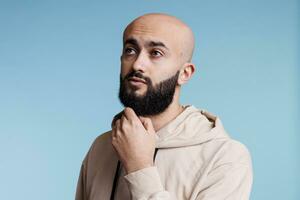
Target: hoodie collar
(191,127)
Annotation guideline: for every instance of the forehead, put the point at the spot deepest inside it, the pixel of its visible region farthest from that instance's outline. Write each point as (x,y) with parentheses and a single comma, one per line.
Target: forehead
(148,31)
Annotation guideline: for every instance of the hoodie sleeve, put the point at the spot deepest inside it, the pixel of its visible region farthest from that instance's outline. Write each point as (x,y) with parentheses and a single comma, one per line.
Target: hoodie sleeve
(81,193)
(145,184)
(229,181)
(81,184)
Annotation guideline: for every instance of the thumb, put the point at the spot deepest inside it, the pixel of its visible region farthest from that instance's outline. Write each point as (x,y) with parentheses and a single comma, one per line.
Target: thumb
(147,124)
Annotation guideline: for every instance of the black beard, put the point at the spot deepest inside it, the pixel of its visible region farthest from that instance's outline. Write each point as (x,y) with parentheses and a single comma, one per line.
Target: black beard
(155,100)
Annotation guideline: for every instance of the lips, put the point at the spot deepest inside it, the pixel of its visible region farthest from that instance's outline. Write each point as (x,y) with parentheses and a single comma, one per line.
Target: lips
(135,79)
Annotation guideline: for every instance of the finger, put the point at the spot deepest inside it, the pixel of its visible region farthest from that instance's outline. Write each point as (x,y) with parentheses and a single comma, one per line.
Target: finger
(113,128)
(113,133)
(116,117)
(147,124)
(142,119)
(116,124)
(130,114)
(113,137)
(123,119)
(116,127)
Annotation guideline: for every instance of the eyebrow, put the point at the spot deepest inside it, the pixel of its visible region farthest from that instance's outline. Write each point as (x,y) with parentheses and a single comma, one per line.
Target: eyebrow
(151,43)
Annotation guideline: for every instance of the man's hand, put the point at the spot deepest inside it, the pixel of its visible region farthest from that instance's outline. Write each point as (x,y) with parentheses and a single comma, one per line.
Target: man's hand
(133,138)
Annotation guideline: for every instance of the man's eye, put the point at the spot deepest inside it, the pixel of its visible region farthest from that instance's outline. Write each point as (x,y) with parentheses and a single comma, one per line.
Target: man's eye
(129,51)
(156,53)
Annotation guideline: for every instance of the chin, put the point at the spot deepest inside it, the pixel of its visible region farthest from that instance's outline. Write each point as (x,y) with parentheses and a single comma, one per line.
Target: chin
(139,92)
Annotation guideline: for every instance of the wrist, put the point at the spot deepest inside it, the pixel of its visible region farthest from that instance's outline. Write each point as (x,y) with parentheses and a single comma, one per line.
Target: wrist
(135,167)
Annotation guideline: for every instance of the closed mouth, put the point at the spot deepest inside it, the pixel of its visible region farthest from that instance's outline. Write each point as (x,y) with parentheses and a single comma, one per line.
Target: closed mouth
(136,79)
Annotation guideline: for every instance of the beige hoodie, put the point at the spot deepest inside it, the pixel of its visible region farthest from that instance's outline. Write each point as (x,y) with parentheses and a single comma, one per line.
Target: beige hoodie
(196,160)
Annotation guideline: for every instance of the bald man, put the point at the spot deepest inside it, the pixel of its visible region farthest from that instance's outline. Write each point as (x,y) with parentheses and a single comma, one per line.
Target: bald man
(158,148)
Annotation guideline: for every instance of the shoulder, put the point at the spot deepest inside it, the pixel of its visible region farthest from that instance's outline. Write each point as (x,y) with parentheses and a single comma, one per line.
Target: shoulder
(100,146)
(102,139)
(231,151)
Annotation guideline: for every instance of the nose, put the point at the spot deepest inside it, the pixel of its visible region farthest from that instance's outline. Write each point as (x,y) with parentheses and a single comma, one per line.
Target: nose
(140,62)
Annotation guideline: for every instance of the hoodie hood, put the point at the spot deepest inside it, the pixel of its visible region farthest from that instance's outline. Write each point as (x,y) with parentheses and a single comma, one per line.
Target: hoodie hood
(191,127)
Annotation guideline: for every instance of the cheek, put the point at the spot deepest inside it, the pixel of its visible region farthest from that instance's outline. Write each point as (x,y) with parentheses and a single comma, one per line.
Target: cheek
(124,69)
(160,76)
(158,73)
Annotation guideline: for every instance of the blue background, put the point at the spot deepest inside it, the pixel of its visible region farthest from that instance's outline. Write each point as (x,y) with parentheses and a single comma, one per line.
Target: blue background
(59,69)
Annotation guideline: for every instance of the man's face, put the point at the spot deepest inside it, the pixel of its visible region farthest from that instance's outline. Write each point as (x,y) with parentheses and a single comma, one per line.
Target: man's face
(149,67)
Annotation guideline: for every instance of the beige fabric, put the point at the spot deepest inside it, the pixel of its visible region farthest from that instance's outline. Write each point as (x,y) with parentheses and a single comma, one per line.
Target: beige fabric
(196,160)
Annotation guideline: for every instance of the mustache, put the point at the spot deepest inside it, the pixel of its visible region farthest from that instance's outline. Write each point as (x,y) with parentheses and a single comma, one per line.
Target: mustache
(138,75)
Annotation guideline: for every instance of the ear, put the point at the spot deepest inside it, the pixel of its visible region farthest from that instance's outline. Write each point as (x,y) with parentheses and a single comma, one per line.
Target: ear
(186,73)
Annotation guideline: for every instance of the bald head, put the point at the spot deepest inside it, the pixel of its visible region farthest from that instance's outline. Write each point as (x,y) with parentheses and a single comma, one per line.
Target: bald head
(155,62)
(176,34)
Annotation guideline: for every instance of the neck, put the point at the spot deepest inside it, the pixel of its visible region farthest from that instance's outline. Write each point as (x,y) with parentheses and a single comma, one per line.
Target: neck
(173,110)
